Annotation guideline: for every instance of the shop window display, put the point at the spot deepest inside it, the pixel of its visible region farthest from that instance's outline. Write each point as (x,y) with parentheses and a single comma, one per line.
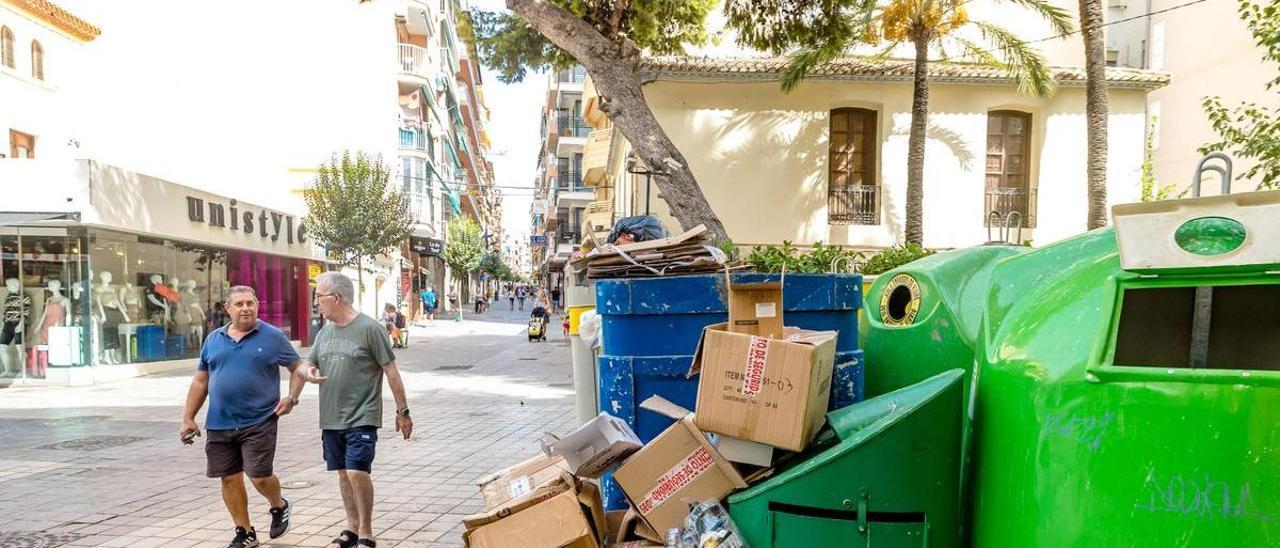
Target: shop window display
(41,269)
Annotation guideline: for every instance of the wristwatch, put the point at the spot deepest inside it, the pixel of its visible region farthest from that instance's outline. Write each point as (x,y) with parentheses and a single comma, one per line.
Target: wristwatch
(292,399)
(403,412)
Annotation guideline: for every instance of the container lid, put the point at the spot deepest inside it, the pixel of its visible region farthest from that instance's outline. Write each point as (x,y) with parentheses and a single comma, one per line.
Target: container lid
(1214,231)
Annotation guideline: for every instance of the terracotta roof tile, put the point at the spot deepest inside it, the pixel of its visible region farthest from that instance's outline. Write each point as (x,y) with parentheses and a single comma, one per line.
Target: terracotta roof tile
(859,69)
(60,18)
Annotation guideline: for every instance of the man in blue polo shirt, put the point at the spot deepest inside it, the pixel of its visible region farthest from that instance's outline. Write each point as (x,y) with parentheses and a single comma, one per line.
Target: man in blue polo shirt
(239,372)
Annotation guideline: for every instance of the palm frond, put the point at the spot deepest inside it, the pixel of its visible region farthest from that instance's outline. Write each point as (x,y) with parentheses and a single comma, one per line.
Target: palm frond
(1023,62)
(803,61)
(975,52)
(1058,18)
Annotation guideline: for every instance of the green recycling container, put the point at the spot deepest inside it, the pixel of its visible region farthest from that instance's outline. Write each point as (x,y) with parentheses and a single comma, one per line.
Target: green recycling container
(886,475)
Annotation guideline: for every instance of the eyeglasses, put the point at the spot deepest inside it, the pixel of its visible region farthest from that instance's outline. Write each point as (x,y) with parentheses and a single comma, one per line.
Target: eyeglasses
(319,295)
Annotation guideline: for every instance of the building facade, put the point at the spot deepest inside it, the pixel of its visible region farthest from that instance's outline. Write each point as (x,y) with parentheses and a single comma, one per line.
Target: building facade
(561,197)
(827,162)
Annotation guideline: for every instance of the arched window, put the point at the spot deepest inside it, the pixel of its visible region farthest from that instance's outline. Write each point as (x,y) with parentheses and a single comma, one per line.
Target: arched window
(6,47)
(37,60)
(1009,186)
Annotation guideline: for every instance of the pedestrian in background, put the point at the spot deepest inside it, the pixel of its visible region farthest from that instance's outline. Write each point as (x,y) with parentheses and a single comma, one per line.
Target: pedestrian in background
(349,359)
(239,372)
(429,302)
(511,297)
(521,294)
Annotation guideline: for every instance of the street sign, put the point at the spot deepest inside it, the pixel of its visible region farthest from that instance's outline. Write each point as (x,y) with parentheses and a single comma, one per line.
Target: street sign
(426,246)
(538,240)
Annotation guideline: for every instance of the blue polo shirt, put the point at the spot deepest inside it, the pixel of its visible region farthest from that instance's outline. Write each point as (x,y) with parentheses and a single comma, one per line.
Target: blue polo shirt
(244,375)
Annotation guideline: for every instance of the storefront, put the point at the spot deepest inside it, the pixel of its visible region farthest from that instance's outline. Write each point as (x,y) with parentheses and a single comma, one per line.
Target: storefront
(425,268)
(134,273)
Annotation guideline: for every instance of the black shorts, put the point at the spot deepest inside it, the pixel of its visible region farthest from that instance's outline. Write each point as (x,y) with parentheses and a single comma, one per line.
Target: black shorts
(9,334)
(251,450)
(350,449)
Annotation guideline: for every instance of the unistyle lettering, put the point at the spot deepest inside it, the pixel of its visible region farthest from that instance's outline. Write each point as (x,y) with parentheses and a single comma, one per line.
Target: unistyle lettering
(675,479)
(195,209)
(248,222)
(218,216)
(235,217)
(276,219)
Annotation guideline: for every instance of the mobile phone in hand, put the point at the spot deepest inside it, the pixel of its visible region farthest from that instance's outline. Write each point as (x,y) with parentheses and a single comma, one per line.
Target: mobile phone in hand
(189,438)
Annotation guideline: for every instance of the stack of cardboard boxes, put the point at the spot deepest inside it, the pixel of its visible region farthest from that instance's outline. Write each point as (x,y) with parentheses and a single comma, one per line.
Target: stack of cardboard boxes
(762,386)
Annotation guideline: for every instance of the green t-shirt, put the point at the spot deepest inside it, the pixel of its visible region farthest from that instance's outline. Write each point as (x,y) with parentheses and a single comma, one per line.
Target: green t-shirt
(352,357)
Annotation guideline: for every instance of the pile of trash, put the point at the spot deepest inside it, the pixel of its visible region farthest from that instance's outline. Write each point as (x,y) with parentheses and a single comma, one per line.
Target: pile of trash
(639,247)
(762,396)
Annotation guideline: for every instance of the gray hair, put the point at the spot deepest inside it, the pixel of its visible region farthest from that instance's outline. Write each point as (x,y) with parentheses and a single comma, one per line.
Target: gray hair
(241,289)
(340,284)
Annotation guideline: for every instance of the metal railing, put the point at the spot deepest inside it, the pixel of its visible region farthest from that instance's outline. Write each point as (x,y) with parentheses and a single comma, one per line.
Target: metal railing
(855,205)
(569,181)
(413,59)
(1007,200)
(569,236)
(572,126)
(413,140)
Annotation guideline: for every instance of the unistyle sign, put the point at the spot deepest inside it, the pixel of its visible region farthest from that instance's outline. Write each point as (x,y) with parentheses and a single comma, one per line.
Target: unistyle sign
(267,224)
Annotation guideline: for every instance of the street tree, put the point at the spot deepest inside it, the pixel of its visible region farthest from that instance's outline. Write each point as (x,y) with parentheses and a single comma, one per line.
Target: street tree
(355,210)
(815,32)
(464,247)
(1095,109)
(1250,130)
(608,38)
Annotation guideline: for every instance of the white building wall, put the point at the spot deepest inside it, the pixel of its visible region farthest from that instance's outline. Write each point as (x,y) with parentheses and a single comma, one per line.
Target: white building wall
(39,107)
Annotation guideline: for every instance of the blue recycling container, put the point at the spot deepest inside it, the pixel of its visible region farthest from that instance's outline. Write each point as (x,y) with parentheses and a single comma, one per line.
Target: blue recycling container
(651,328)
(151,343)
(175,346)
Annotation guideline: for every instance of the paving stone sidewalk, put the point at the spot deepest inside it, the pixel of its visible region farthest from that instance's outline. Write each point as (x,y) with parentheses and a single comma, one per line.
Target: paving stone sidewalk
(102,466)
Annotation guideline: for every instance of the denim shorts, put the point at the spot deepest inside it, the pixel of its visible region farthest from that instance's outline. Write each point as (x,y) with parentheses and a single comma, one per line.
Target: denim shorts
(350,449)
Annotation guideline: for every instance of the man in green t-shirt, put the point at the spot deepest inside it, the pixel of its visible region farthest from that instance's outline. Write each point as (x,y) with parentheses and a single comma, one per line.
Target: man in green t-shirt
(348,359)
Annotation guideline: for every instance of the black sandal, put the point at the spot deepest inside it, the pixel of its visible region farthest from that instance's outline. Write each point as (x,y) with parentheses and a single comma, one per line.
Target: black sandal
(346,539)
(367,542)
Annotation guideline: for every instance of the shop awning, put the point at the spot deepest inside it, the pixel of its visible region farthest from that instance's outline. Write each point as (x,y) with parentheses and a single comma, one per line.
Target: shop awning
(24,217)
(453,154)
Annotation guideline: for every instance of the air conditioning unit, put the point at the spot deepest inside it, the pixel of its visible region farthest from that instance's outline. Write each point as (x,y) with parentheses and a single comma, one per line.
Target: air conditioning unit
(1118,4)
(1113,57)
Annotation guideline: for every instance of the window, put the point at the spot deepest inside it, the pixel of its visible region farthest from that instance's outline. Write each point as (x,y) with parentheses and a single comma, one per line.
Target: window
(1008,188)
(21,145)
(853,193)
(6,47)
(37,60)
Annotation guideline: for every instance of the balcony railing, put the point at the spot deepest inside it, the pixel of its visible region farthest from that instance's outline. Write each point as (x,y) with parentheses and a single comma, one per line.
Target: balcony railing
(569,236)
(854,205)
(1008,200)
(572,126)
(414,59)
(413,140)
(569,181)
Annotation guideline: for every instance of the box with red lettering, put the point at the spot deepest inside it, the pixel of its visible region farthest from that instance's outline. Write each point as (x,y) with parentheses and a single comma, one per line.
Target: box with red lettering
(678,468)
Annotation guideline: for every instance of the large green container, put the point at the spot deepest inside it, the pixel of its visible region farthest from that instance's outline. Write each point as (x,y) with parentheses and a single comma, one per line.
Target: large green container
(887,475)
(1090,424)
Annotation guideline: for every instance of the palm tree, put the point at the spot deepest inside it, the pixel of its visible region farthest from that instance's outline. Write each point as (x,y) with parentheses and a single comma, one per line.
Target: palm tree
(1095,68)
(941,26)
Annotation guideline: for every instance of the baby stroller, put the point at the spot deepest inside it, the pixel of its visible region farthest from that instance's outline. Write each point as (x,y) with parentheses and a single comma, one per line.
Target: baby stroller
(537,329)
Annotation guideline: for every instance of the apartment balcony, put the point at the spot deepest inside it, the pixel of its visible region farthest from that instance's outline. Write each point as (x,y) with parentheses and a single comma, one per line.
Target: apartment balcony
(854,205)
(598,219)
(415,64)
(413,142)
(595,156)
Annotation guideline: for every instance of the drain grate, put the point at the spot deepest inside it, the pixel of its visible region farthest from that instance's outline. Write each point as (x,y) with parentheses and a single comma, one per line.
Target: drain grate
(528,359)
(92,443)
(36,540)
(454,367)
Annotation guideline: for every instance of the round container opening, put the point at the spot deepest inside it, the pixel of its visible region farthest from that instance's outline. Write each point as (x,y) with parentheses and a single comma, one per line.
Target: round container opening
(899,298)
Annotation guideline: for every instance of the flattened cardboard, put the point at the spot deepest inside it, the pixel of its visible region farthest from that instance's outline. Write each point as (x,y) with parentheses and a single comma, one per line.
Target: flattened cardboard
(678,468)
(540,494)
(520,480)
(596,446)
(573,518)
(770,391)
(743,451)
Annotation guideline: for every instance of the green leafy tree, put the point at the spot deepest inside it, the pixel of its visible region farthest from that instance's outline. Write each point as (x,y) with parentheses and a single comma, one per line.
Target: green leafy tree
(355,210)
(608,38)
(1249,130)
(815,32)
(1152,190)
(463,249)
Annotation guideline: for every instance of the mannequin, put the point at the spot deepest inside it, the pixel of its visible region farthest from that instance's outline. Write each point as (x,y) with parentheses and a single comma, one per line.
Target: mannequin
(14,313)
(55,310)
(194,311)
(132,304)
(158,295)
(107,298)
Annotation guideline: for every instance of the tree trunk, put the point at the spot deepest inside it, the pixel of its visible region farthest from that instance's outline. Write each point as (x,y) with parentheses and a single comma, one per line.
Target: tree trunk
(915,144)
(614,69)
(1095,109)
(359,282)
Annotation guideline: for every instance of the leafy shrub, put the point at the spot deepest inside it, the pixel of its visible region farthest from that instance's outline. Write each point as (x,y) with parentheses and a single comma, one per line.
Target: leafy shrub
(820,259)
(894,257)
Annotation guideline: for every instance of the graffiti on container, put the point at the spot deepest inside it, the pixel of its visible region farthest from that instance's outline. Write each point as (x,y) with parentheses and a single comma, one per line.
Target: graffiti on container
(1087,430)
(1200,497)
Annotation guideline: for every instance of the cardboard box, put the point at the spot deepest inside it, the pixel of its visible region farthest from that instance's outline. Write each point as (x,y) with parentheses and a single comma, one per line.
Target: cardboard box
(770,391)
(574,517)
(743,451)
(678,468)
(517,481)
(596,446)
(756,308)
